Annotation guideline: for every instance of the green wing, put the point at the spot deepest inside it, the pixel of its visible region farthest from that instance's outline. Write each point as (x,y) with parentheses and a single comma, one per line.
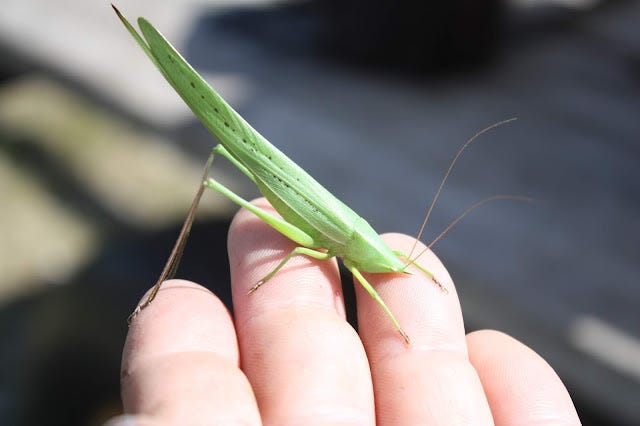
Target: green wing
(299,198)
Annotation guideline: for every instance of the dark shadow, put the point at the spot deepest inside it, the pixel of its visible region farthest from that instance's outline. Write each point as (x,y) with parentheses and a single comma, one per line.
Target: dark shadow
(428,39)
(62,367)
(411,39)
(61,345)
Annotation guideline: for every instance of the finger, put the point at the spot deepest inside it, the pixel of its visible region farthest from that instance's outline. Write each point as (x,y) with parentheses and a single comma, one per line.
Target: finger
(305,362)
(430,381)
(520,386)
(180,362)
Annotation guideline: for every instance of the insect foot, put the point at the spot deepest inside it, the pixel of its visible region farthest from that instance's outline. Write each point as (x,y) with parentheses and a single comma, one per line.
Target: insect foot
(134,314)
(256,286)
(440,285)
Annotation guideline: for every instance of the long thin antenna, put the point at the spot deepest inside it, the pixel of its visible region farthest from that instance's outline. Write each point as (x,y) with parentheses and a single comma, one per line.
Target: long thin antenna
(446,176)
(469,210)
(171,266)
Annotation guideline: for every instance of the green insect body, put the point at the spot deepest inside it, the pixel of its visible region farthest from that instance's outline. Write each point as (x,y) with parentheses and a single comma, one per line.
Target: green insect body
(322,225)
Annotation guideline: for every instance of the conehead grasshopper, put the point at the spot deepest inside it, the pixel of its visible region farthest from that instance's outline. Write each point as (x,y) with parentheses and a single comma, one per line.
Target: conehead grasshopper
(311,216)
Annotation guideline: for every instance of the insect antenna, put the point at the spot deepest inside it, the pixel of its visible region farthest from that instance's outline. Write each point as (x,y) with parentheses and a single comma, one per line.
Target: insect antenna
(469,210)
(446,176)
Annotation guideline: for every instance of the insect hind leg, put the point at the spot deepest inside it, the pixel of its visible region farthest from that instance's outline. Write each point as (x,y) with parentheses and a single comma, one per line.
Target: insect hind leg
(171,266)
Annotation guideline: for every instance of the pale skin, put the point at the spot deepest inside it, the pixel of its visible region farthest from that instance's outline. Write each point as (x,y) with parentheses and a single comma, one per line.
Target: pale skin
(290,358)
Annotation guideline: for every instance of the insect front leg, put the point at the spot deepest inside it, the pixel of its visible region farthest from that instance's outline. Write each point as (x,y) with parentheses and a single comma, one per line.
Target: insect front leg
(424,270)
(373,293)
(220,149)
(287,229)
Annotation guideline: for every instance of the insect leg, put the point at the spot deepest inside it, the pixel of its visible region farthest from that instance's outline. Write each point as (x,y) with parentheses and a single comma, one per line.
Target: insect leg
(220,149)
(373,293)
(171,266)
(320,255)
(427,272)
(290,231)
(280,225)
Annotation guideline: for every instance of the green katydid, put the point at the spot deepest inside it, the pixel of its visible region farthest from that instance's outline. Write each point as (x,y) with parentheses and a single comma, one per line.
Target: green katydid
(311,216)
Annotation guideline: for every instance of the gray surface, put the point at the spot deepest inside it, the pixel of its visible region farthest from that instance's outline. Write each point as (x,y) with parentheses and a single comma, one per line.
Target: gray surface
(381,143)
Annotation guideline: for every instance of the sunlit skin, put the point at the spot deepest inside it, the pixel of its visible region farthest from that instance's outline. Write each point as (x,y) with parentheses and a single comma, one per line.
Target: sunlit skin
(288,356)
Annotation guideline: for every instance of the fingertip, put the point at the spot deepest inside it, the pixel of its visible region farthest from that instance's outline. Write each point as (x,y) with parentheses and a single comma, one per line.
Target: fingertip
(431,317)
(520,385)
(184,316)
(430,380)
(181,362)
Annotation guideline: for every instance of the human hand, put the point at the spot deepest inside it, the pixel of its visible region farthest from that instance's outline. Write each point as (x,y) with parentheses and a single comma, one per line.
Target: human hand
(290,358)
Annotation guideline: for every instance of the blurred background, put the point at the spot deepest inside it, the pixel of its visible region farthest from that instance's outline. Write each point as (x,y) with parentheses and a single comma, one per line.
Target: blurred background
(99,160)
